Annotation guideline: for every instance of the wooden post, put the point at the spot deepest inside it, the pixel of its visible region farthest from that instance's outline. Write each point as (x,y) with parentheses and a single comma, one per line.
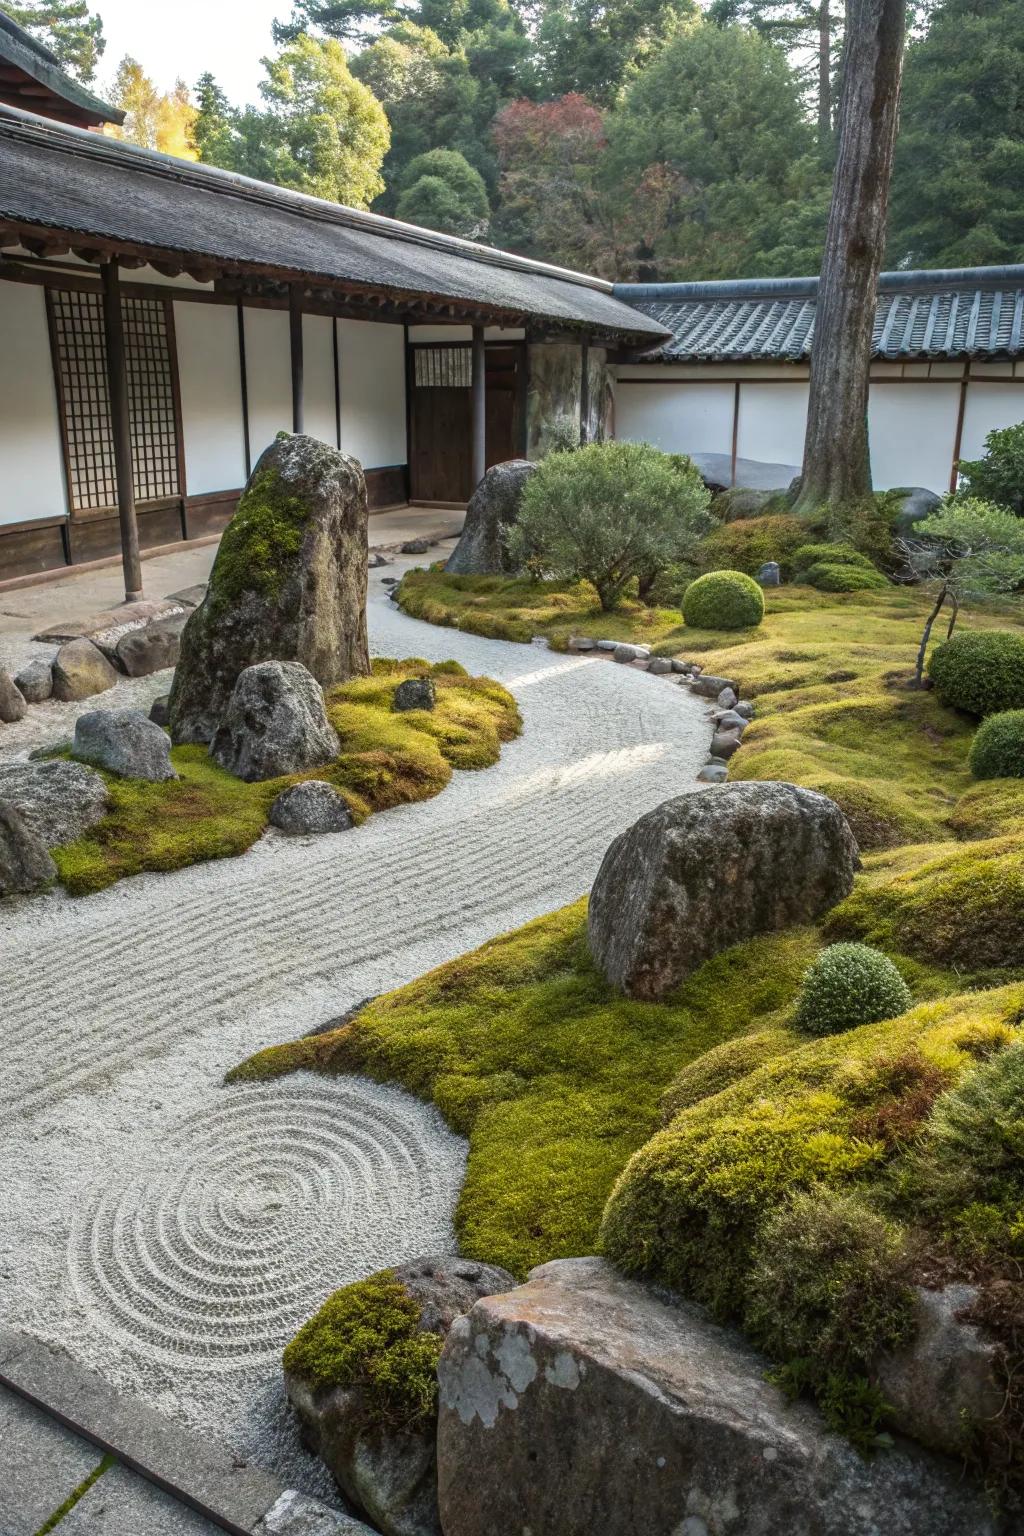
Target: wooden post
(479,381)
(584,393)
(735,430)
(954,473)
(121,430)
(295,328)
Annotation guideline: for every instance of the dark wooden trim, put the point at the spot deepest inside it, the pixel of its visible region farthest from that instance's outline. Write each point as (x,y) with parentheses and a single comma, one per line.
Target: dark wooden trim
(478,387)
(210,498)
(179,425)
(735,430)
(121,429)
(31,547)
(387,486)
(210,512)
(522,396)
(584,391)
(295,350)
(244,381)
(337,379)
(62,415)
(959,435)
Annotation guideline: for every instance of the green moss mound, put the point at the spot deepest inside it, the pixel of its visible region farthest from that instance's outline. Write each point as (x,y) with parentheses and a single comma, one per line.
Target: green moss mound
(723,600)
(746,545)
(989,809)
(386,759)
(997,751)
(809,555)
(720,1067)
(265,534)
(828,577)
(980,671)
(956,905)
(848,985)
(367,1337)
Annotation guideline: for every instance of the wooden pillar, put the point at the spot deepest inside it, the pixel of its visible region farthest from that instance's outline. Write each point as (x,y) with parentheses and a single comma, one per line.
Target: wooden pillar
(959,437)
(295,328)
(121,430)
(735,430)
(479,382)
(584,392)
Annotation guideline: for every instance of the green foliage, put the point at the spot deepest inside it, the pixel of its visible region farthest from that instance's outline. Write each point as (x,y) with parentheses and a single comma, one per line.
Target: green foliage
(848,985)
(441,190)
(975,547)
(720,1067)
(997,751)
(826,1292)
(809,555)
(723,600)
(980,671)
(609,513)
(960,153)
(746,544)
(829,576)
(68,29)
(998,476)
(366,1338)
(387,759)
(989,809)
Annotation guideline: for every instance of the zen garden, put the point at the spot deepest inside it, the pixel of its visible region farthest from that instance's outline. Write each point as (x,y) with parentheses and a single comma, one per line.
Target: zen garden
(512,778)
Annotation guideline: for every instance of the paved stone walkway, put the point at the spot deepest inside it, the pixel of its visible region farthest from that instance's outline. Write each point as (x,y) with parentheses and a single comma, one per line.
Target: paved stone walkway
(171,1233)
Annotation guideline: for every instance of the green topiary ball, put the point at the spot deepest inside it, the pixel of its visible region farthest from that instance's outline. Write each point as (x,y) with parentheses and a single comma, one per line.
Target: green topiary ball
(980,671)
(828,577)
(723,600)
(997,751)
(849,985)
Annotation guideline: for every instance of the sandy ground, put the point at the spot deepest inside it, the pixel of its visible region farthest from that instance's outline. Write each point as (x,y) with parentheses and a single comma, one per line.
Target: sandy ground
(172,1232)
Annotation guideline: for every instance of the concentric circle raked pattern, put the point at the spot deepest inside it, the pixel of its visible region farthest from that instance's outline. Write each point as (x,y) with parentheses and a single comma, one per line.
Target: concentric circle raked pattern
(259,1209)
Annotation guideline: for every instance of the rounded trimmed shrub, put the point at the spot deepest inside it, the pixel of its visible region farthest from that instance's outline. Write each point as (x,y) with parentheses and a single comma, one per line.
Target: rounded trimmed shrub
(997,751)
(723,600)
(848,985)
(830,554)
(827,577)
(980,671)
(746,545)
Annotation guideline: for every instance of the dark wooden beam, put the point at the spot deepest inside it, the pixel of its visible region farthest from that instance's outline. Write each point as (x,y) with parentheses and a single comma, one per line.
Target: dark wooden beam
(584,392)
(120,424)
(295,330)
(479,386)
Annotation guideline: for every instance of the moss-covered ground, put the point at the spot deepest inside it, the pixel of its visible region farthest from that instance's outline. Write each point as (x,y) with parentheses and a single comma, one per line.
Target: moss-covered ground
(704,1141)
(386,759)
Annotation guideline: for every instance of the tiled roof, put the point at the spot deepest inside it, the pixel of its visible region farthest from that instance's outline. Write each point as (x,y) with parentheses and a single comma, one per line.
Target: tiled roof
(969,312)
(90,186)
(34,65)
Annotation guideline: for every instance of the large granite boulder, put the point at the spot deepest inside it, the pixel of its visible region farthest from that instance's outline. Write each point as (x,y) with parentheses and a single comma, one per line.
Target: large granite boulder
(80,669)
(288,584)
(57,800)
(741,502)
(275,723)
(125,742)
(142,651)
(310,807)
(13,705)
(583,1402)
(709,869)
(493,507)
(916,503)
(389,1471)
(25,864)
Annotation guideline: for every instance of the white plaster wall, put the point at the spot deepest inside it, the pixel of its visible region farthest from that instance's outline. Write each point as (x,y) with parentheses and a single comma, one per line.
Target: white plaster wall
(211,396)
(911,430)
(989,406)
(31,469)
(268,376)
(318,378)
(773,421)
(687,418)
(372,369)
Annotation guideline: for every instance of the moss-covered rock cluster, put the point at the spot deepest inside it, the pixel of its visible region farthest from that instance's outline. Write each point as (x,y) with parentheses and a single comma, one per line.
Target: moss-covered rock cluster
(387,758)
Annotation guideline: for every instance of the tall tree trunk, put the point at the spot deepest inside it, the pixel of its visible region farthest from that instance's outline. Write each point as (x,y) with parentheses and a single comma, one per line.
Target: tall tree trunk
(837,466)
(824,75)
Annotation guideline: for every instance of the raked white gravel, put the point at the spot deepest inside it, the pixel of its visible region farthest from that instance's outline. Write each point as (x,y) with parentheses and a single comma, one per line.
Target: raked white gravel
(172,1232)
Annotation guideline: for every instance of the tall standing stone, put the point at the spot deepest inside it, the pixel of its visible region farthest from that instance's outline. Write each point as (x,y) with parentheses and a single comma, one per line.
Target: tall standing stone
(288,584)
(493,508)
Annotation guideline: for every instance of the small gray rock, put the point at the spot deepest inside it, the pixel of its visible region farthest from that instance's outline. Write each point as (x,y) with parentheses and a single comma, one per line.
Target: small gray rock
(25,864)
(415,693)
(581,643)
(682,667)
(744,708)
(714,773)
(709,687)
(727,699)
(732,720)
(13,705)
(80,670)
(125,742)
(190,596)
(724,744)
(35,682)
(151,649)
(275,723)
(296,1514)
(415,546)
(376,560)
(624,653)
(310,807)
(770,574)
(607,645)
(659,666)
(159,710)
(57,800)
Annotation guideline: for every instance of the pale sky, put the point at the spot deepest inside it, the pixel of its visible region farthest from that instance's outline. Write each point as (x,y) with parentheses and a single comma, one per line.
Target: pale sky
(172,38)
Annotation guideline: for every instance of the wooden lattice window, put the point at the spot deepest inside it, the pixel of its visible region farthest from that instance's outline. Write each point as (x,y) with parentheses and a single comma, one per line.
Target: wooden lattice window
(444,367)
(80,357)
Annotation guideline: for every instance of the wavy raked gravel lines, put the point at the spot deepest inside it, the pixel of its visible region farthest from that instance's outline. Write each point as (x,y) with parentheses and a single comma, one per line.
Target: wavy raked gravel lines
(172,1232)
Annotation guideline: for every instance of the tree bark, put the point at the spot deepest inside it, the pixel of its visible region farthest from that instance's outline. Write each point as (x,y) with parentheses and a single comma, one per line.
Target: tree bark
(824,74)
(837,466)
